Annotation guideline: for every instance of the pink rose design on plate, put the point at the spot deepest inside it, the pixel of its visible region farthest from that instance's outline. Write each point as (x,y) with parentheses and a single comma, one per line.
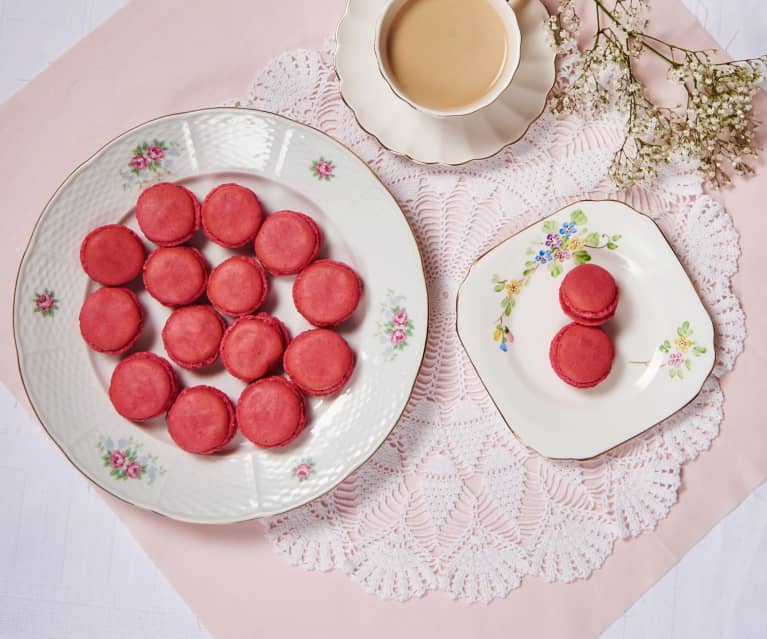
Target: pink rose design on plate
(303,470)
(139,162)
(400,318)
(325,169)
(398,335)
(563,255)
(155,153)
(117,459)
(133,470)
(45,302)
(675,359)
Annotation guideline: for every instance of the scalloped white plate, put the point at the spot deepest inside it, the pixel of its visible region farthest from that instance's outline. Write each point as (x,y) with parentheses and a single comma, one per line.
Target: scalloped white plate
(444,140)
(289,165)
(508,311)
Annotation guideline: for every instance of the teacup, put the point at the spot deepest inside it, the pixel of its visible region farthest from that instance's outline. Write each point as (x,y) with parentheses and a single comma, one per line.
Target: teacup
(447,57)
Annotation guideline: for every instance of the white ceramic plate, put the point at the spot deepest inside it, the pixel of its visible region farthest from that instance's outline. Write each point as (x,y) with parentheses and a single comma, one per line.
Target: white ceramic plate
(508,311)
(445,140)
(290,166)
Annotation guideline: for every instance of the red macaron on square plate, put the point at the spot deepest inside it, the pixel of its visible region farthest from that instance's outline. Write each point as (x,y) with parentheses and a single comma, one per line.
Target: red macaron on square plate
(509,311)
(289,166)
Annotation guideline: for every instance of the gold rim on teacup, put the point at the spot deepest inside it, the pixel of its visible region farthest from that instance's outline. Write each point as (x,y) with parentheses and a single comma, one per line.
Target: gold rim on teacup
(513,41)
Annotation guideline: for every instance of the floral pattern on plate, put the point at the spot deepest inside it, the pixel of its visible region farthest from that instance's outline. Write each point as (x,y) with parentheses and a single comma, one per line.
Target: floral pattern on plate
(127,460)
(46,303)
(151,161)
(394,326)
(678,352)
(304,469)
(323,169)
(570,241)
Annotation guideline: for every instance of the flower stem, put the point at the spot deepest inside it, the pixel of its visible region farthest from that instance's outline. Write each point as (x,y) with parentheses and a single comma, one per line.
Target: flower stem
(619,24)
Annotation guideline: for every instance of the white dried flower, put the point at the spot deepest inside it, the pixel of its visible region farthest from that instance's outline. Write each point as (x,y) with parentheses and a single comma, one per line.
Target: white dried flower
(715,126)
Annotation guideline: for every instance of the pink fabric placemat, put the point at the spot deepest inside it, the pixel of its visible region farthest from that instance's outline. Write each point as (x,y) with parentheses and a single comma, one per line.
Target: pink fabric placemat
(195,56)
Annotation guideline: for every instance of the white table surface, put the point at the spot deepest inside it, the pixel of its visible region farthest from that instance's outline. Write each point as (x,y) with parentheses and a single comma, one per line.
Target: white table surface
(95,581)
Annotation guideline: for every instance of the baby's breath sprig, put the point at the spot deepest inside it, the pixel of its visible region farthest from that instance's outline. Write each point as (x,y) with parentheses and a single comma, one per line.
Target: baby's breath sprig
(714,124)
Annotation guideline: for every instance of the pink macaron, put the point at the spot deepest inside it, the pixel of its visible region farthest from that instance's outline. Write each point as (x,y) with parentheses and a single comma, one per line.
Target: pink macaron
(319,361)
(581,356)
(327,292)
(201,420)
(238,286)
(252,346)
(231,215)
(589,295)
(271,412)
(176,275)
(168,214)
(287,242)
(112,255)
(143,386)
(111,320)
(192,336)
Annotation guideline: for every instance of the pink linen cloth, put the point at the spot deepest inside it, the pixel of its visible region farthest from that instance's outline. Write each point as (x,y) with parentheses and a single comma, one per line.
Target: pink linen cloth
(195,56)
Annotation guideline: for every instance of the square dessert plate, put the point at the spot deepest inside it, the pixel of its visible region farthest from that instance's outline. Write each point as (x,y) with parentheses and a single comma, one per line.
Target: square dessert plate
(289,166)
(508,312)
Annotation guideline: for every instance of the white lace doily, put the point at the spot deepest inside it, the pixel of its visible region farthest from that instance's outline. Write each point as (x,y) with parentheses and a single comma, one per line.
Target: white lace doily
(452,500)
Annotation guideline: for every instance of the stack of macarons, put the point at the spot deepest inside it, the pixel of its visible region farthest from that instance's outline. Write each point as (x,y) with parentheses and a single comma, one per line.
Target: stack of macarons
(253,346)
(581,353)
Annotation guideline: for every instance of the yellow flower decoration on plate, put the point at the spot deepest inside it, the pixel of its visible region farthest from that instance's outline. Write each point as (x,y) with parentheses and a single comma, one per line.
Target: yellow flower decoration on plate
(682,344)
(514,287)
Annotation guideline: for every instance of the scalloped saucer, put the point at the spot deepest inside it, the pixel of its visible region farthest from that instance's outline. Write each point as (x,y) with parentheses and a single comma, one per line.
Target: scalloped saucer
(442,140)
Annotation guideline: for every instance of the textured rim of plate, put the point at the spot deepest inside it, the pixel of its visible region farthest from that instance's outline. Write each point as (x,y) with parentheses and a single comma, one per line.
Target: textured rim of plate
(93,158)
(510,89)
(482,381)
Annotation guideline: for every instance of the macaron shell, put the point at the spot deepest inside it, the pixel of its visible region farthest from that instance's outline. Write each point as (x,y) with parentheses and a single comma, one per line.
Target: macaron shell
(589,293)
(327,292)
(271,412)
(143,386)
(231,215)
(251,347)
(287,242)
(111,320)
(585,318)
(319,362)
(238,286)
(175,276)
(581,356)
(277,323)
(112,255)
(168,214)
(192,336)
(201,420)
